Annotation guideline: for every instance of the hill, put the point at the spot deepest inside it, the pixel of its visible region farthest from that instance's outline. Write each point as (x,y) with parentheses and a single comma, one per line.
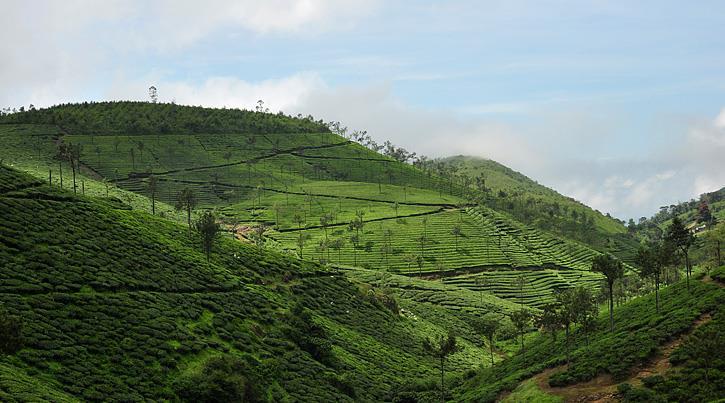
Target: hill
(675,355)
(120,305)
(319,195)
(690,212)
(544,208)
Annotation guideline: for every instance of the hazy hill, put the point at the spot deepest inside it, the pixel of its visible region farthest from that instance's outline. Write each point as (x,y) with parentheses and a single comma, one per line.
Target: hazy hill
(545,208)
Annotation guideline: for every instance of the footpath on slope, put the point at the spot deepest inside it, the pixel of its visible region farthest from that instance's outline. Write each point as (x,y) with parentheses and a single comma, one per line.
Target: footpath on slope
(603,388)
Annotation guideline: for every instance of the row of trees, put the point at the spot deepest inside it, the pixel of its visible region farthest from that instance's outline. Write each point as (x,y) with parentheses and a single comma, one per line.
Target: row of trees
(129,117)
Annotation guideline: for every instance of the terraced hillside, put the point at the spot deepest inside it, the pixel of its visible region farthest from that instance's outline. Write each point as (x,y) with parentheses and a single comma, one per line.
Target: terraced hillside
(308,186)
(120,305)
(544,208)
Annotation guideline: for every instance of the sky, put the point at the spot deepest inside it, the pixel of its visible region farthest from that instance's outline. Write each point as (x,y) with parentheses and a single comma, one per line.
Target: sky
(619,104)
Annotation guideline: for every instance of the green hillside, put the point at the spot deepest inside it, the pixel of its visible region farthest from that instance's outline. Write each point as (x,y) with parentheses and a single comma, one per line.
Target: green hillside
(306,185)
(121,305)
(544,208)
(338,259)
(690,328)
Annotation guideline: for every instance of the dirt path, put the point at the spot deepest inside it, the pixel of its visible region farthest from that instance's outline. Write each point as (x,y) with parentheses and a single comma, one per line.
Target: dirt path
(603,388)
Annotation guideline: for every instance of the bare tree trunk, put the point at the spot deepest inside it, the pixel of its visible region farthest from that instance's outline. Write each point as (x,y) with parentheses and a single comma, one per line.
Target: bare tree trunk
(73,167)
(611,307)
(657,292)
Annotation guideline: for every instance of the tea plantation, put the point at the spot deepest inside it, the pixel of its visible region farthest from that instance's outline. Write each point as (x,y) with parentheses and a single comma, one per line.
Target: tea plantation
(340,265)
(307,185)
(117,304)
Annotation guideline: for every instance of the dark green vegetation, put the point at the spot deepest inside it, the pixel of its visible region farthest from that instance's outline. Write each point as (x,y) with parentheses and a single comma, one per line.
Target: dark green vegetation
(124,276)
(639,331)
(118,304)
(529,202)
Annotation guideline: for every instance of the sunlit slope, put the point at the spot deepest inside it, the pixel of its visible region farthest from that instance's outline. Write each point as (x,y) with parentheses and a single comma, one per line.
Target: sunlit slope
(306,185)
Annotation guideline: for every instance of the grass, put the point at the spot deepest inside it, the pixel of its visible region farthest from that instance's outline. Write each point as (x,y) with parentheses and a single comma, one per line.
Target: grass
(529,391)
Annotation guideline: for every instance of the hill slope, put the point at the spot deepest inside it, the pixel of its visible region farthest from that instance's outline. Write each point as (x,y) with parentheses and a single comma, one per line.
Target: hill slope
(120,305)
(546,209)
(306,185)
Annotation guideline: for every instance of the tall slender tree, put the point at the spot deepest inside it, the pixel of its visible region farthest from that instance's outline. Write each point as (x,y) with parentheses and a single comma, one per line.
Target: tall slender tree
(208,230)
(490,325)
(612,270)
(652,259)
(441,347)
(153,185)
(682,239)
(521,320)
(186,200)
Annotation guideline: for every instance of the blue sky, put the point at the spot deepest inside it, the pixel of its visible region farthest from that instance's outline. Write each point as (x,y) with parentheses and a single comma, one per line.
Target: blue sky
(619,104)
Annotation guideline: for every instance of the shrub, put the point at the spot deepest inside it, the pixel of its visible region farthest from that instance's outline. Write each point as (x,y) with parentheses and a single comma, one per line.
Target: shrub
(222,379)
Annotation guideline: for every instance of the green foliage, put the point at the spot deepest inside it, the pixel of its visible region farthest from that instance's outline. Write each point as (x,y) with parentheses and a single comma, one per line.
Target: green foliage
(309,335)
(208,230)
(221,379)
(128,117)
(639,332)
(11,332)
(117,304)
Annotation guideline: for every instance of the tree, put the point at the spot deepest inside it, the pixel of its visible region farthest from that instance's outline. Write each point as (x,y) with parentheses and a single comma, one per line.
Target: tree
(652,259)
(612,270)
(481,283)
(456,232)
(549,320)
(440,348)
(489,326)
(208,229)
(703,213)
(152,190)
(325,222)
(258,235)
(223,378)
(682,239)
(419,262)
(585,309)
(355,241)
(301,240)
(11,332)
(521,283)
(386,248)
(153,94)
(276,207)
(521,320)
(72,153)
(713,241)
(186,200)
(567,313)
(337,245)
(299,220)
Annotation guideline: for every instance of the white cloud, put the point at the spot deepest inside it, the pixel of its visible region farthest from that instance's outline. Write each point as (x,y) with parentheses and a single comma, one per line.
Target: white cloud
(178,23)
(278,94)
(56,51)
